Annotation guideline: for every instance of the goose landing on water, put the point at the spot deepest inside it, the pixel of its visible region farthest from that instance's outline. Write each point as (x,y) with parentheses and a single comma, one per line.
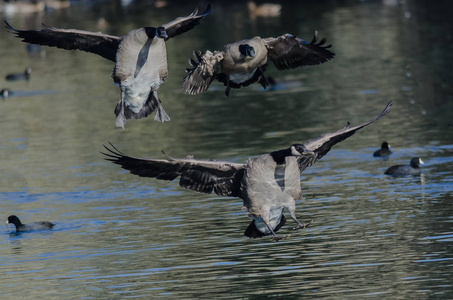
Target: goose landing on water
(140,57)
(243,63)
(267,184)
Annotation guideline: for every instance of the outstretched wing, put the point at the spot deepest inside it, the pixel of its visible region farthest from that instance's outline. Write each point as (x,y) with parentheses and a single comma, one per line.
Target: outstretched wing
(324,143)
(71,39)
(289,52)
(203,176)
(183,24)
(203,71)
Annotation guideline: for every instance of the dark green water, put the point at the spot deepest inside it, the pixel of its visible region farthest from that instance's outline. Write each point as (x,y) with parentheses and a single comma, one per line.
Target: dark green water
(120,236)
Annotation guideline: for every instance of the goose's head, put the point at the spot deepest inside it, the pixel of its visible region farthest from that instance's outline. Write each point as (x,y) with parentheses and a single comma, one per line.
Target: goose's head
(161,33)
(299,149)
(247,50)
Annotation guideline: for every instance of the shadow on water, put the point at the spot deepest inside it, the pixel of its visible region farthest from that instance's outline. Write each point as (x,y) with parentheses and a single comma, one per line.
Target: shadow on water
(118,235)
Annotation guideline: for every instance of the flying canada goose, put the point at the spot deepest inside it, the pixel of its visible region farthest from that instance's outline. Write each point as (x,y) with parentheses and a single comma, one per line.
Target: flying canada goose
(28,227)
(140,57)
(384,151)
(413,168)
(243,63)
(267,184)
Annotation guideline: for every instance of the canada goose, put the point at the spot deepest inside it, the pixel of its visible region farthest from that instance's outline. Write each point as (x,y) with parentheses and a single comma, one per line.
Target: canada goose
(263,10)
(413,168)
(27,227)
(140,57)
(242,63)
(384,151)
(267,184)
(19,76)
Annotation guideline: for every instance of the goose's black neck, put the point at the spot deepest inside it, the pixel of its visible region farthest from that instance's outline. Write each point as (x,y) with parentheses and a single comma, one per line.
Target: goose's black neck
(150,31)
(280,155)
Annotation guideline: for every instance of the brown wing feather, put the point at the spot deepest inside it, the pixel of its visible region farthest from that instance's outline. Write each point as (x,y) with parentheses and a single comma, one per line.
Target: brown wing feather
(203,71)
(71,39)
(183,24)
(199,175)
(322,145)
(289,52)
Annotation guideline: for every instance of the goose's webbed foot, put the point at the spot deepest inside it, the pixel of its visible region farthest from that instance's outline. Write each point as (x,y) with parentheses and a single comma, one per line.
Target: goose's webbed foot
(276,238)
(300,225)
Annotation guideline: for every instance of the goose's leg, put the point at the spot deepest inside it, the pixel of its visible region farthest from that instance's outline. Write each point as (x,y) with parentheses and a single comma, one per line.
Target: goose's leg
(274,236)
(227,90)
(292,212)
(300,225)
(161,115)
(263,79)
(119,111)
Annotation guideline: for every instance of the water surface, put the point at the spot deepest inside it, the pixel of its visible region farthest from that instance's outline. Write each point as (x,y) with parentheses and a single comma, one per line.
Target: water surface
(120,236)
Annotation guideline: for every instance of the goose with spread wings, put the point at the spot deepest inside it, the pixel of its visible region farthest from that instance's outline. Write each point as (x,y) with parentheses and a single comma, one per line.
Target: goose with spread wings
(267,184)
(140,60)
(243,63)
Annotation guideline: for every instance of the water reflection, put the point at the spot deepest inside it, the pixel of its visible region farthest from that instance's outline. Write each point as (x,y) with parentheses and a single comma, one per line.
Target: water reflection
(121,236)
(26,93)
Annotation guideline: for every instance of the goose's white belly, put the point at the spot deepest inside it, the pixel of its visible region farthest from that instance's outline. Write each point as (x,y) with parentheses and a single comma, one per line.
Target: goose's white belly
(267,190)
(135,98)
(241,77)
(138,80)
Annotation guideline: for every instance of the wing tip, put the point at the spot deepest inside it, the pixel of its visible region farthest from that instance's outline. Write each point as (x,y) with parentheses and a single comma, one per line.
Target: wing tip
(194,13)
(321,43)
(207,10)
(114,154)
(10,28)
(386,110)
(204,14)
(168,156)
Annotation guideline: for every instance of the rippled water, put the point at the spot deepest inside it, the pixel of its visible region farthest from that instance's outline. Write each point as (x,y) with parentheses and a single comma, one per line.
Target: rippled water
(120,236)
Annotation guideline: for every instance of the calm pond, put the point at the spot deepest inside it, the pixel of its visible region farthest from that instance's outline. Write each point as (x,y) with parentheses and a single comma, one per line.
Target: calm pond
(118,235)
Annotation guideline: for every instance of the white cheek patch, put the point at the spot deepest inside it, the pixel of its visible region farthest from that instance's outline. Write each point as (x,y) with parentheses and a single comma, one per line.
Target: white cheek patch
(295,152)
